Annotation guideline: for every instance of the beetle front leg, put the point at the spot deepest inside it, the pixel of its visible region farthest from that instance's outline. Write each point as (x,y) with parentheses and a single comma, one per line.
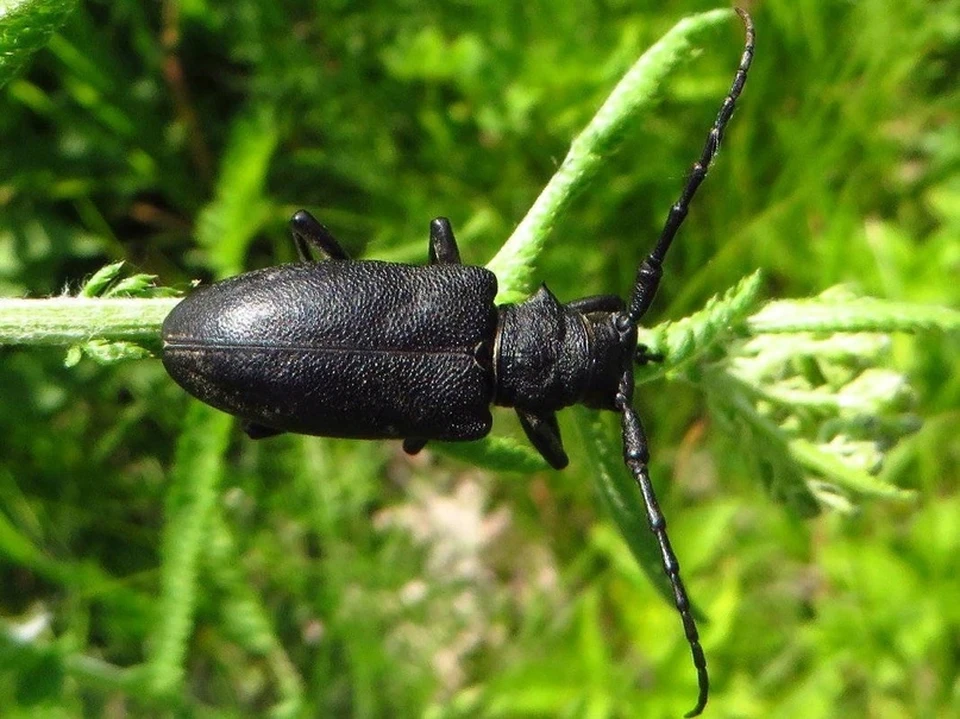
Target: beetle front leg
(305,229)
(544,434)
(443,245)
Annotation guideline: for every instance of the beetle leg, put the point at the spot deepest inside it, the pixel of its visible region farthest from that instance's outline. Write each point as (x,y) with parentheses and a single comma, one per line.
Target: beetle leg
(255,430)
(412,445)
(544,434)
(597,303)
(305,229)
(443,245)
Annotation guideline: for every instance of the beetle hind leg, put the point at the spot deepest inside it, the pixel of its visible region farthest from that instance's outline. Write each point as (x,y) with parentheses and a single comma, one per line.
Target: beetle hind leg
(544,434)
(255,430)
(443,245)
(307,230)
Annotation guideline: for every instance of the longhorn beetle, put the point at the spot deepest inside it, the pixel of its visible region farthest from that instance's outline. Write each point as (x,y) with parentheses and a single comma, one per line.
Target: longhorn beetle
(374,350)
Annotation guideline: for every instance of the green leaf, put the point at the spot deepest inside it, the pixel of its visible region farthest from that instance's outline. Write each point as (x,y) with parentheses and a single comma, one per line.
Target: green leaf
(498,454)
(686,339)
(246,619)
(836,311)
(861,483)
(25,27)
(40,680)
(100,281)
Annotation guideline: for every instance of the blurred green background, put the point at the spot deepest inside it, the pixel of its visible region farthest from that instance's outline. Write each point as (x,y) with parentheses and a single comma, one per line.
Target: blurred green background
(346,579)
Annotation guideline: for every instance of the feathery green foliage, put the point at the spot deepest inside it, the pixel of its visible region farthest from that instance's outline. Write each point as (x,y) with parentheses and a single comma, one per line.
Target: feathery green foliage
(195,478)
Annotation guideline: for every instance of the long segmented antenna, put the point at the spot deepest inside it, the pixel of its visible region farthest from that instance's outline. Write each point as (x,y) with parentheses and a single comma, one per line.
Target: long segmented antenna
(651,269)
(635,449)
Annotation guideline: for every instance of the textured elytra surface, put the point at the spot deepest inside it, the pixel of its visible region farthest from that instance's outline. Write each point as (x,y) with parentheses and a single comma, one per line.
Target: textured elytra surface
(344,349)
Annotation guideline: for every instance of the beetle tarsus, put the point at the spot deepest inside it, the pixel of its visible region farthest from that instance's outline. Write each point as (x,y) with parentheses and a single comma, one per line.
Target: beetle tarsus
(443,245)
(307,230)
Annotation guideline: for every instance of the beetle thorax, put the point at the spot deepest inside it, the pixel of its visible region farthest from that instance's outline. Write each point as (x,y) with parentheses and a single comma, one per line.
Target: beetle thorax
(548,356)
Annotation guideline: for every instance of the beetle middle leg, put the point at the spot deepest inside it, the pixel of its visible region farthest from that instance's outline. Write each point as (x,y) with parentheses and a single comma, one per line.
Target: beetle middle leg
(443,245)
(307,230)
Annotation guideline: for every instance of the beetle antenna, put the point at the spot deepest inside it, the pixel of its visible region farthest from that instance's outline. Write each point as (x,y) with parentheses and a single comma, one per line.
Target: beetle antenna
(650,270)
(636,455)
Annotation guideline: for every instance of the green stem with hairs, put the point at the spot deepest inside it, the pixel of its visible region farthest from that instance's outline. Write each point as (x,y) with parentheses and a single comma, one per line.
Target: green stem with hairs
(65,321)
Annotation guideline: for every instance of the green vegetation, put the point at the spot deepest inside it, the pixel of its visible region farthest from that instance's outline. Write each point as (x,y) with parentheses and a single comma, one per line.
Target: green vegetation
(154,560)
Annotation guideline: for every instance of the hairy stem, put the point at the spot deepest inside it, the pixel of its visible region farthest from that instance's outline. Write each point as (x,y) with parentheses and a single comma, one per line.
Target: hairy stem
(65,321)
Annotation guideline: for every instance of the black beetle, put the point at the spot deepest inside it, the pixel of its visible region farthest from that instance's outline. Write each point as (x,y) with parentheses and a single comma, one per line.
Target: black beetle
(373,350)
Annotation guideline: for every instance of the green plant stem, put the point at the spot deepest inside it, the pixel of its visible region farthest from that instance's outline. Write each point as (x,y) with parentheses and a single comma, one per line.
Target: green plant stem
(65,321)
(514,264)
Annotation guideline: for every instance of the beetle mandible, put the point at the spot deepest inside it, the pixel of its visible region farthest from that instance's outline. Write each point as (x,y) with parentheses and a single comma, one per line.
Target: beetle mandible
(375,350)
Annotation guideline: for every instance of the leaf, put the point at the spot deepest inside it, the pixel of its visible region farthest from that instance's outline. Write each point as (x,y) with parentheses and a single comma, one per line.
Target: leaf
(762,443)
(25,27)
(861,483)
(101,280)
(40,679)
(107,353)
(498,454)
(686,339)
(852,314)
